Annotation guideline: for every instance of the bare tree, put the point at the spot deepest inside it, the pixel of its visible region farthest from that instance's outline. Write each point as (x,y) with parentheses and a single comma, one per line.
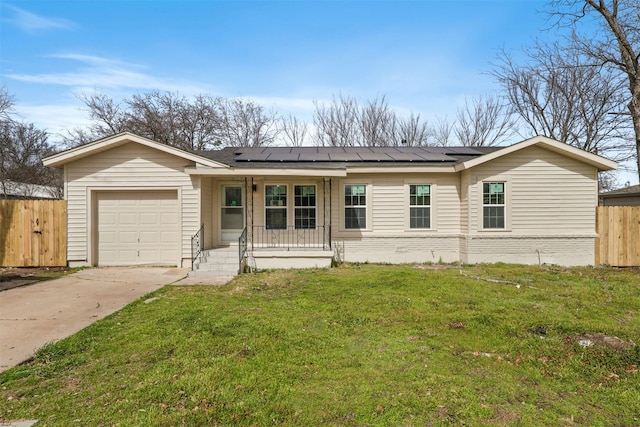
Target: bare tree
(294,130)
(7,101)
(483,121)
(162,116)
(175,120)
(246,124)
(616,47)
(413,132)
(345,122)
(198,123)
(22,147)
(337,123)
(378,124)
(556,95)
(442,131)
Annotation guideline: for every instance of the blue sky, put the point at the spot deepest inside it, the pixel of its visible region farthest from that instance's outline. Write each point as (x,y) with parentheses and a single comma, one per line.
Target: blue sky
(424,56)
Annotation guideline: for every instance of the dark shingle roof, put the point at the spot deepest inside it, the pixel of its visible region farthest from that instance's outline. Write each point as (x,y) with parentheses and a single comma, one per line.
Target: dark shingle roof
(340,157)
(631,190)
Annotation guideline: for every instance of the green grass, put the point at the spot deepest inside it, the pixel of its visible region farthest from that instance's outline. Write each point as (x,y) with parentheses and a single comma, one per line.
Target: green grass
(358,345)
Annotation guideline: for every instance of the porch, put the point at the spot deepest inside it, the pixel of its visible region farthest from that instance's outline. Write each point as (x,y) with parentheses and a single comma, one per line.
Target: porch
(268,221)
(259,247)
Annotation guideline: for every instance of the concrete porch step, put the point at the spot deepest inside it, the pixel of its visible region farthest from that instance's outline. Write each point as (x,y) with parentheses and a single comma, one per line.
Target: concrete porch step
(220,262)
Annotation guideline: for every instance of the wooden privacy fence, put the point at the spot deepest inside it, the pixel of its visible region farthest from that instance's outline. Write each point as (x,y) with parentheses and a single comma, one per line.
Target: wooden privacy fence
(619,231)
(33,233)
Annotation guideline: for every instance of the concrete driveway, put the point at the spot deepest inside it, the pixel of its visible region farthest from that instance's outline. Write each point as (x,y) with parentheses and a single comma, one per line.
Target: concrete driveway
(34,315)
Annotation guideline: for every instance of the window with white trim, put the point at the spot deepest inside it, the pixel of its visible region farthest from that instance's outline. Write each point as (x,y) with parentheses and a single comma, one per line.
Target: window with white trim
(419,206)
(304,206)
(355,206)
(493,205)
(275,207)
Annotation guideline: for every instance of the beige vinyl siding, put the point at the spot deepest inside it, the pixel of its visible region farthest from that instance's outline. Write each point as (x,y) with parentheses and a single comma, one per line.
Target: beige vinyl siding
(464,201)
(206,200)
(547,193)
(128,167)
(447,200)
(290,182)
(389,206)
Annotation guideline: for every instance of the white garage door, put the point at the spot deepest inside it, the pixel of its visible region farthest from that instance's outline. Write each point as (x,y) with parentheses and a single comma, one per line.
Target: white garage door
(138,227)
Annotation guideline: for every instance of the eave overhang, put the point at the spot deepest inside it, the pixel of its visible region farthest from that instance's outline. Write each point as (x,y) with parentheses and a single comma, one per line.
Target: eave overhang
(205,171)
(567,150)
(73,154)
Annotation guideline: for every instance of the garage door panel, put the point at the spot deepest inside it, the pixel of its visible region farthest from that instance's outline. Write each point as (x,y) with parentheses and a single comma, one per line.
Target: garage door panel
(168,236)
(138,227)
(150,237)
(108,237)
(150,218)
(167,218)
(125,218)
(127,237)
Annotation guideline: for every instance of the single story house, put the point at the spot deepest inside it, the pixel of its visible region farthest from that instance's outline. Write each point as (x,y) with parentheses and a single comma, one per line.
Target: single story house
(131,201)
(22,190)
(627,196)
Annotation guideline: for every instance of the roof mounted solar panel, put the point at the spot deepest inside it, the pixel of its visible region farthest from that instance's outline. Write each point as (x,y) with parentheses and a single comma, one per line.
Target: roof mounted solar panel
(436,157)
(341,156)
(355,149)
(283,157)
(405,157)
(252,156)
(313,156)
(374,156)
(464,150)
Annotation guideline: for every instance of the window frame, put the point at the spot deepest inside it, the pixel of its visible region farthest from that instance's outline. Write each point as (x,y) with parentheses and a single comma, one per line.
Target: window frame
(367,206)
(314,207)
(433,183)
(504,205)
(410,206)
(284,207)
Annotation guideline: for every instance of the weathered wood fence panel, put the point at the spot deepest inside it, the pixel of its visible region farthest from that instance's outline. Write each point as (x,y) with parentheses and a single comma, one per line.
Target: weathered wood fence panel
(33,233)
(619,231)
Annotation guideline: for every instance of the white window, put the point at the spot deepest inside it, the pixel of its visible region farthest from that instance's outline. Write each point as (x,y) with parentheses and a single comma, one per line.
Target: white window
(275,206)
(493,205)
(355,206)
(304,206)
(419,206)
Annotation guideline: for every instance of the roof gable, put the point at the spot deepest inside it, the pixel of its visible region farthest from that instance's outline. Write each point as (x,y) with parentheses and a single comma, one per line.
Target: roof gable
(550,144)
(86,150)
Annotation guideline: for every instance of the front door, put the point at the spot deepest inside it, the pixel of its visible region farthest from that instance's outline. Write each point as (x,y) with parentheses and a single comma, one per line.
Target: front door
(231,213)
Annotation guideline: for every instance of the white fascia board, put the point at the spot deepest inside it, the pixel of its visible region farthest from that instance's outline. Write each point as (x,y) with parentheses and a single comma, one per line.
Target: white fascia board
(58,160)
(265,172)
(401,169)
(550,144)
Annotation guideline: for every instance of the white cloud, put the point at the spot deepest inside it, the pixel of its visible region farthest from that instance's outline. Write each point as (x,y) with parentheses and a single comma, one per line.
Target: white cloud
(54,118)
(32,23)
(107,74)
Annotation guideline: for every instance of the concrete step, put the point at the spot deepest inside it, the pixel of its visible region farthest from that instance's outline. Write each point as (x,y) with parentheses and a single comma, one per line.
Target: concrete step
(218,262)
(217,259)
(212,274)
(216,267)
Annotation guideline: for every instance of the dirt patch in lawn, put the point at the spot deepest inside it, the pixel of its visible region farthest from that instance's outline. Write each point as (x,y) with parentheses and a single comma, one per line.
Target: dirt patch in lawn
(13,277)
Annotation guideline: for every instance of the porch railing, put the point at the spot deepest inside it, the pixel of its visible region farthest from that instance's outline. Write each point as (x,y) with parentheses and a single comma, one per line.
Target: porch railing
(291,237)
(197,244)
(242,247)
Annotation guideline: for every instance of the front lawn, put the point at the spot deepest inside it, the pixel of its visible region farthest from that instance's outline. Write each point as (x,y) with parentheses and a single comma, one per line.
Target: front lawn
(357,345)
